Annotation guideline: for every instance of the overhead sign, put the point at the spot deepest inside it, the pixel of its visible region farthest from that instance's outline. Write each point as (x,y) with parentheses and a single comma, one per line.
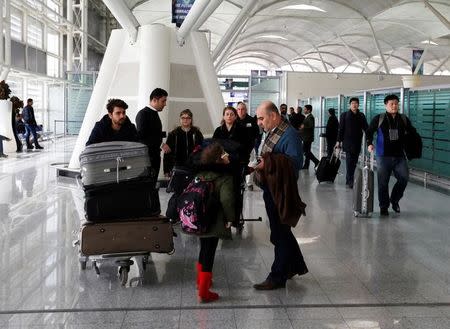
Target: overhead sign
(180,9)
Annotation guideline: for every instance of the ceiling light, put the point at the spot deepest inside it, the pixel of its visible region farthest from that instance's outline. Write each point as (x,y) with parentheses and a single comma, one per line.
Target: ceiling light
(429,42)
(302,7)
(271,36)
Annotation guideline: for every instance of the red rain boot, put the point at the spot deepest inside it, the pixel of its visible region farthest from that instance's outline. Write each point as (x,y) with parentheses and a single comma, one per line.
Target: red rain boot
(204,295)
(199,269)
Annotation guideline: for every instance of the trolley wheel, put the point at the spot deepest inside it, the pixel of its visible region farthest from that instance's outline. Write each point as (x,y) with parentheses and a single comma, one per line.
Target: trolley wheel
(97,270)
(123,275)
(144,262)
(83,264)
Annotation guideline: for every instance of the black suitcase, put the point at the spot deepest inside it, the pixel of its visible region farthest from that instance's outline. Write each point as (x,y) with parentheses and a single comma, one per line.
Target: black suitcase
(154,234)
(328,168)
(129,199)
(113,162)
(363,190)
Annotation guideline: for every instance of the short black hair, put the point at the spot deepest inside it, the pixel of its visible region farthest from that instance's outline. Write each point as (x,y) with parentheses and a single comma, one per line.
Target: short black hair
(309,107)
(115,102)
(354,99)
(158,93)
(332,111)
(391,97)
(29,100)
(283,105)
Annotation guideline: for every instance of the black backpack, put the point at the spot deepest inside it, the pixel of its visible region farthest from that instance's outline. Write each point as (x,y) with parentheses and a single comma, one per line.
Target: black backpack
(413,141)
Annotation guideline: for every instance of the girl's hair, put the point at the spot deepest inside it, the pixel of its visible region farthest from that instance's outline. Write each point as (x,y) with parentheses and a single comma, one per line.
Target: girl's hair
(228,108)
(186,112)
(211,153)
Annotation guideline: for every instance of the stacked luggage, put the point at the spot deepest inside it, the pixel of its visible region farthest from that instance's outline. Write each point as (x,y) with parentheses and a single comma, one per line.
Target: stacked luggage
(122,207)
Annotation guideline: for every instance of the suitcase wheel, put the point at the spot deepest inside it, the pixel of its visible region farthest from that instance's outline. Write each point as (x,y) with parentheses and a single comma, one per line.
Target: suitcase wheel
(83,264)
(123,274)
(155,228)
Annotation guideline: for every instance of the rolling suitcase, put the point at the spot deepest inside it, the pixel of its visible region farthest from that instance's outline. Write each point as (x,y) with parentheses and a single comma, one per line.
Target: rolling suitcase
(363,190)
(129,199)
(154,234)
(109,162)
(180,179)
(328,168)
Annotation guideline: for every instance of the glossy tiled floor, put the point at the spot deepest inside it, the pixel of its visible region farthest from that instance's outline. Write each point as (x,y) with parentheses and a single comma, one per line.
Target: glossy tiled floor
(364,273)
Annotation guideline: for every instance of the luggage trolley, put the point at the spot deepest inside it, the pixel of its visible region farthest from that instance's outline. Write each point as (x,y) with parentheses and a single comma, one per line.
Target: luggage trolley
(120,241)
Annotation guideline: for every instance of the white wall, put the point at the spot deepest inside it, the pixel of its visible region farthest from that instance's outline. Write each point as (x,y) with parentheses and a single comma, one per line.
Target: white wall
(303,85)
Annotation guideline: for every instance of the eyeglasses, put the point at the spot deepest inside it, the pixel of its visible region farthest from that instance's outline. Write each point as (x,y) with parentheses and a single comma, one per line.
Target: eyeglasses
(224,155)
(185,118)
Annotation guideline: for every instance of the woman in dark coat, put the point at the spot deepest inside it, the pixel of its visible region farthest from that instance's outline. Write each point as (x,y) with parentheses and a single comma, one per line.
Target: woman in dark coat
(213,167)
(181,142)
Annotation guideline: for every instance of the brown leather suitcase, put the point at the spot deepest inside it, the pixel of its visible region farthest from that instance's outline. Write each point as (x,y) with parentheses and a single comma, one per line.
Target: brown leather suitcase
(152,234)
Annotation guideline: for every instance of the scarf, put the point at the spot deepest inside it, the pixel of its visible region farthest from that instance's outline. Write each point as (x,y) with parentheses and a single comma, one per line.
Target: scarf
(273,137)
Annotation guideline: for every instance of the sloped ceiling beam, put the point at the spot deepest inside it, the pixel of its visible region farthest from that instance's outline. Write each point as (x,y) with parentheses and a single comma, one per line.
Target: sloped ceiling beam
(445,60)
(262,51)
(377,44)
(124,16)
(354,54)
(238,23)
(437,14)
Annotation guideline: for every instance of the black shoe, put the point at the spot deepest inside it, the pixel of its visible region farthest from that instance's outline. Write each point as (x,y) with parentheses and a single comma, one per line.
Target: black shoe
(268,285)
(3,155)
(395,207)
(384,212)
(292,274)
(39,147)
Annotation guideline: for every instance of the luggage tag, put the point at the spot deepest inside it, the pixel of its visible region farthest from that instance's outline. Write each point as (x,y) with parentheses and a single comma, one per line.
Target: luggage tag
(393,134)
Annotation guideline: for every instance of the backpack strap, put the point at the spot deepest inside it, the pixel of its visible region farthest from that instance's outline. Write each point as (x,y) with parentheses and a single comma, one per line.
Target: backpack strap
(381,119)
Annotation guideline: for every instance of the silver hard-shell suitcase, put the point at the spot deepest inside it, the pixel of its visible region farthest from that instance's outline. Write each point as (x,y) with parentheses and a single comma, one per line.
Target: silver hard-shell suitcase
(109,162)
(363,190)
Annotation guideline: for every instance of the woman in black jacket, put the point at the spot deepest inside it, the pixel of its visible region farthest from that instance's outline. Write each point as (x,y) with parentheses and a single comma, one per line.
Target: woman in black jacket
(181,142)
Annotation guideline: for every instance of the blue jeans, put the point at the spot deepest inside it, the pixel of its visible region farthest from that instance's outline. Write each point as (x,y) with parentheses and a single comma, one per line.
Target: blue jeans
(385,167)
(2,138)
(288,257)
(31,129)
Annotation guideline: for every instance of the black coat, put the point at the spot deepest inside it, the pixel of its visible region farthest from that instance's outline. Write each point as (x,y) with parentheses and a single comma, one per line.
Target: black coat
(237,134)
(149,129)
(181,143)
(103,132)
(307,132)
(332,128)
(351,129)
(251,129)
(28,115)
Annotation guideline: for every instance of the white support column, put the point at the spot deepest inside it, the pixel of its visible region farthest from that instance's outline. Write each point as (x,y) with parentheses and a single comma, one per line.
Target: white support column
(98,98)
(84,42)
(238,22)
(7,22)
(69,59)
(212,6)
(154,66)
(124,16)
(2,45)
(437,14)
(207,76)
(191,19)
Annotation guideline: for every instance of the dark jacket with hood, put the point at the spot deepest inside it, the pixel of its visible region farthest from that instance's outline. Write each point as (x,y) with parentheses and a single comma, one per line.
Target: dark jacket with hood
(103,132)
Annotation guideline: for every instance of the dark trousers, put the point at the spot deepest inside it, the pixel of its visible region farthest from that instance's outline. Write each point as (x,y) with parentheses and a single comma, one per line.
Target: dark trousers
(31,129)
(16,138)
(207,253)
(330,147)
(351,160)
(288,257)
(385,167)
(308,155)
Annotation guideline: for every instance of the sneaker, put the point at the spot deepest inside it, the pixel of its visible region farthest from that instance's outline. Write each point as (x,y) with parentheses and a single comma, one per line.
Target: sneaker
(3,155)
(395,207)
(384,212)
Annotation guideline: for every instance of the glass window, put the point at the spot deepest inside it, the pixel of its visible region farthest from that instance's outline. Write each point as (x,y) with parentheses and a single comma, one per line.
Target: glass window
(16,86)
(35,91)
(52,66)
(55,7)
(16,23)
(34,32)
(52,41)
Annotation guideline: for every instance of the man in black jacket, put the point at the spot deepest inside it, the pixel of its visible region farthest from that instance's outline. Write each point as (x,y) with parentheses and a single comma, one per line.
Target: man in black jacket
(114,126)
(352,125)
(149,127)
(307,133)
(331,131)
(30,125)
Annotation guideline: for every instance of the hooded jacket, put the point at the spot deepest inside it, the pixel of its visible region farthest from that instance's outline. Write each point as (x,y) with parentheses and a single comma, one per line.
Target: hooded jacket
(103,132)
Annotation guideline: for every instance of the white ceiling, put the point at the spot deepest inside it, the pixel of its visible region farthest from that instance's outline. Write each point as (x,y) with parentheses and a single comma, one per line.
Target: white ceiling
(337,39)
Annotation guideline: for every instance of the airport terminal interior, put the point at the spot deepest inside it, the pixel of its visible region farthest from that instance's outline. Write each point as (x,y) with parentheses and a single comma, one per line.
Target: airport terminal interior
(71,56)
